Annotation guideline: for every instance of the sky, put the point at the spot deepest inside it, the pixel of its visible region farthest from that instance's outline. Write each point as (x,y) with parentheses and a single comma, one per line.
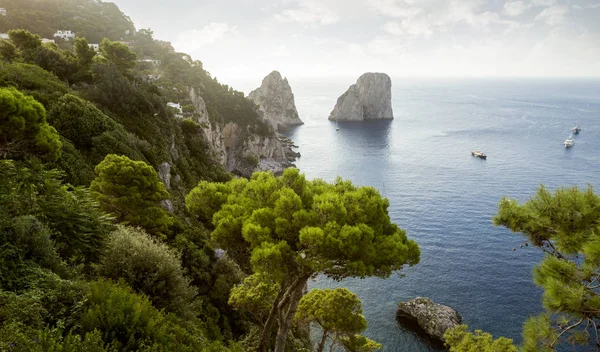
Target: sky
(241,40)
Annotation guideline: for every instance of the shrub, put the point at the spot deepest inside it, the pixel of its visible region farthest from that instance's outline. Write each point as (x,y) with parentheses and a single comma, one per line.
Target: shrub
(148,267)
(23,128)
(132,191)
(128,321)
(41,84)
(79,120)
(72,219)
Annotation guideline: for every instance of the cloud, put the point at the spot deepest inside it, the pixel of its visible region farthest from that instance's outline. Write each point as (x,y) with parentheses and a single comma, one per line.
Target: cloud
(195,39)
(394,29)
(543,2)
(554,15)
(515,8)
(397,8)
(309,12)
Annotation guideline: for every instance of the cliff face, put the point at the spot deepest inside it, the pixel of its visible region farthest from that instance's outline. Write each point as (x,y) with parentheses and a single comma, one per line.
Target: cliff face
(239,151)
(276,101)
(369,99)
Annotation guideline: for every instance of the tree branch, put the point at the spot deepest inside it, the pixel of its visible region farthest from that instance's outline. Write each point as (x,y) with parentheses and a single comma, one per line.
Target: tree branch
(564,331)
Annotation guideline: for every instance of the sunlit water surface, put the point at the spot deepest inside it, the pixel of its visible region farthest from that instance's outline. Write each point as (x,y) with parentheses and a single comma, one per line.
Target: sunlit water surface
(444,197)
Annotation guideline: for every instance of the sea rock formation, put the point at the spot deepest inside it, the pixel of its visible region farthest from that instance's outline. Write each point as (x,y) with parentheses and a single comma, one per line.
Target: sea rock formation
(276,101)
(432,317)
(239,151)
(369,99)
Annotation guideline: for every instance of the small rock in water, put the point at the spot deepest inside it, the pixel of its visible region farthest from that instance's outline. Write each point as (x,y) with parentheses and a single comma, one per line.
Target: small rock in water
(433,318)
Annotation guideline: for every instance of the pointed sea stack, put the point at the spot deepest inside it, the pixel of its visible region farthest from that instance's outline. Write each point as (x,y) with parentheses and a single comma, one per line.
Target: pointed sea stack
(276,100)
(369,99)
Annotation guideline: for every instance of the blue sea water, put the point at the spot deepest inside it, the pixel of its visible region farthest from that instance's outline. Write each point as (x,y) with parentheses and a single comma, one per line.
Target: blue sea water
(445,198)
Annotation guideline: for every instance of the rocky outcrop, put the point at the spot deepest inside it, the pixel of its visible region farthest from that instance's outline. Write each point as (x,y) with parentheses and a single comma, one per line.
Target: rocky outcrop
(369,99)
(164,174)
(276,101)
(239,151)
(432,317)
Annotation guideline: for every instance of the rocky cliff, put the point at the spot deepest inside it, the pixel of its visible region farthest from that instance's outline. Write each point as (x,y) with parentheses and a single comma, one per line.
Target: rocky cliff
(369,99)
(276,101)
(239,151)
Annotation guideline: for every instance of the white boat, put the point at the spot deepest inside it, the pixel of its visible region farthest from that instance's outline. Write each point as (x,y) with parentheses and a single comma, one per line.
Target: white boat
(569,142)
(479,154)
(576,129)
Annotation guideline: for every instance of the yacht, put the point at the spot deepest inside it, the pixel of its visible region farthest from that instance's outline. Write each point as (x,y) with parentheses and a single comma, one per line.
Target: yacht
(576,129)
(479,154)
(569,142)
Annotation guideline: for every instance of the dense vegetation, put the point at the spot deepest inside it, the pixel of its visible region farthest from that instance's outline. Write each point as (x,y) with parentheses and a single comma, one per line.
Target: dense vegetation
(82,135)
(94,20)
(101,252)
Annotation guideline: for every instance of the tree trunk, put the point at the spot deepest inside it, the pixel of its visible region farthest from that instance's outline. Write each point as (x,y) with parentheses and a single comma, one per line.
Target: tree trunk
(265,336)
(287,309)
(322,343)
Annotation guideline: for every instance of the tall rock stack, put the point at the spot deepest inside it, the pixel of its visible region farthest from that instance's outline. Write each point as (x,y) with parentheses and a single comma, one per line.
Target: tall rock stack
(369,99)
(276,101)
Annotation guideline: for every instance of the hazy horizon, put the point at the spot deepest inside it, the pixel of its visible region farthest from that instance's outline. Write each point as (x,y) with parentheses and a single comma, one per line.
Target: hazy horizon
(242,40)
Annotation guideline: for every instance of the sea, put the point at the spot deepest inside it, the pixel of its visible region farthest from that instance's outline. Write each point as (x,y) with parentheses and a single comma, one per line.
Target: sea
(444,197)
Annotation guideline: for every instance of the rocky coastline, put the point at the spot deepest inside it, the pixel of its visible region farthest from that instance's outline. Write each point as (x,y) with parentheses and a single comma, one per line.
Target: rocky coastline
(240,151)
(433,318)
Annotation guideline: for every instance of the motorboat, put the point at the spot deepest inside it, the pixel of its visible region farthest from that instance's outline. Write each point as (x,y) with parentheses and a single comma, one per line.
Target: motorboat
(569,142)
(479,154)
(576,129)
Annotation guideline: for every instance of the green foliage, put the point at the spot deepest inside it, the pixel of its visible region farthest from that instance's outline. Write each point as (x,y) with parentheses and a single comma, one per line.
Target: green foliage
(292,229)
(44,86)
(24,40)
(132,191)
(21,338)
(75,223)
(148,267)
(459,339)
(119,55)
(129,322)
(538,334)
(8,52)
(359,343)
(197,256)
(337,311)
(255,295)
(23,128)
(79,121)
(78,170)
(26,243)
(84,53)
(252,160)
(90,19)
(206,199)
(565,226)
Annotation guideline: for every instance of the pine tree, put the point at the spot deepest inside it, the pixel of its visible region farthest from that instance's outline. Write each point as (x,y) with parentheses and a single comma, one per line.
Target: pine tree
(565,225)
(292,229)
(132,191)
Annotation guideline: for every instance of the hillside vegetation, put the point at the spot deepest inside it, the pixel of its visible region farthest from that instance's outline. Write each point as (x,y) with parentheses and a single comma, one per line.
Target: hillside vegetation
(120,230)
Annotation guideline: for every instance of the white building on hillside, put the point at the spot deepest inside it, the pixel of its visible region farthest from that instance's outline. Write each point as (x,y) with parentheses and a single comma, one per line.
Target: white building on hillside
(65,34)
(2,11)
(175,106)
(4,36)
(94,46)
(154,63)
(46,40)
